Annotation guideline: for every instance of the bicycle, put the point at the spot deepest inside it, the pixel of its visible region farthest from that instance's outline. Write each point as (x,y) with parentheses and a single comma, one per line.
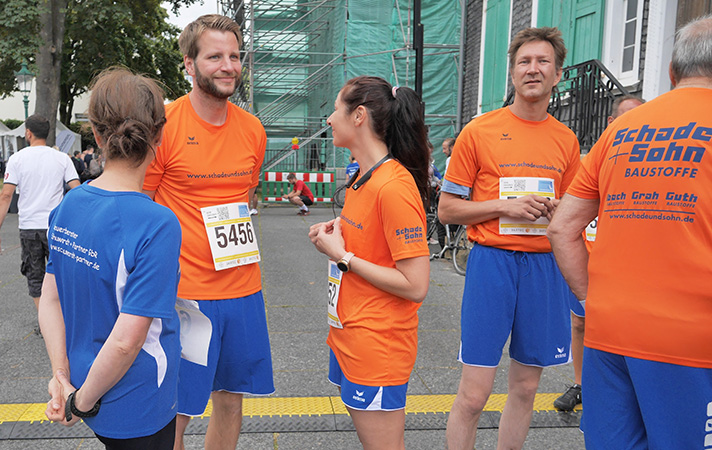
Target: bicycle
(450,237)
(459,246)
(461,250)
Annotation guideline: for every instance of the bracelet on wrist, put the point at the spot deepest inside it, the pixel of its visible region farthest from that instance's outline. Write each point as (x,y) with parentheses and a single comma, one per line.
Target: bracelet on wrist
(70,408)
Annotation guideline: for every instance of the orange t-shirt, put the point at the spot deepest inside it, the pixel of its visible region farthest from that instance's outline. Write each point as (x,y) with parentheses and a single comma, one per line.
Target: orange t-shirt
(499,144)
(199,165)
(382,222)
(650,272)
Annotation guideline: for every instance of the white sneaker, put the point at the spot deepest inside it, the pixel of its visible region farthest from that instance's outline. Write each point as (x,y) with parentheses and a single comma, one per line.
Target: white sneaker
(253,212)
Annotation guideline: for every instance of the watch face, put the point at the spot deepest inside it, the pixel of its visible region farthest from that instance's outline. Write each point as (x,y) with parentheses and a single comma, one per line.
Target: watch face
(342,266)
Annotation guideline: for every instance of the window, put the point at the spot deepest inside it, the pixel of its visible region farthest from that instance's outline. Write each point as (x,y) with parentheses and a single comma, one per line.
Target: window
(622,36)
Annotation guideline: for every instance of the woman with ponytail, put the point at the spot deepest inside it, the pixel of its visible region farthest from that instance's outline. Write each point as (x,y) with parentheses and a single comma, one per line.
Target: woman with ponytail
(379,268)
(107,310)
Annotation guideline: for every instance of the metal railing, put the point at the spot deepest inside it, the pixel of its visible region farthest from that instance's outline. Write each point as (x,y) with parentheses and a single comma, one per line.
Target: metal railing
(583,100)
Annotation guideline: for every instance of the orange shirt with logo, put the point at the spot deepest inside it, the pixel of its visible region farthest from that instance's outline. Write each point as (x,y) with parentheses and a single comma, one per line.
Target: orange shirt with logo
(197,165)
(650,272)
(382,222)
(499,144)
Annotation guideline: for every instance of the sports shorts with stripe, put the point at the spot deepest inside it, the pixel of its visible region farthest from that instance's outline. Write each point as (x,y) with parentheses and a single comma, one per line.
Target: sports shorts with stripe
(638,404)
(518,294)
(366,398)
(239,358)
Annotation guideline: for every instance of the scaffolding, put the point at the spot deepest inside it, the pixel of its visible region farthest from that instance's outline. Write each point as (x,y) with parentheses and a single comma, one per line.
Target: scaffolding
(298,53)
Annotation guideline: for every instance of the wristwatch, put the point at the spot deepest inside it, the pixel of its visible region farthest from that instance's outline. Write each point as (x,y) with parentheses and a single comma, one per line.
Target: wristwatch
(70,409)
(344,264)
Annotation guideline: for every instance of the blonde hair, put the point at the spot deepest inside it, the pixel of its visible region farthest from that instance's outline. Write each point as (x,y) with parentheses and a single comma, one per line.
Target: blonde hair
(188,39)
(547,34)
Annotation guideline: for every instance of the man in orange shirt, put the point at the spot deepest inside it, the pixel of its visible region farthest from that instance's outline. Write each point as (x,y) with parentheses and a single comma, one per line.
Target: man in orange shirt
(515,163)
(648,281)
(572,397)
(206,171)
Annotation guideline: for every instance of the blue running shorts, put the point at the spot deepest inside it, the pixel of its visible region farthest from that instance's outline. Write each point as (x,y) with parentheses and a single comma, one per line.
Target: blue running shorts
(639,404)
(366,398)
(239,357)
(515,293)
(578,308)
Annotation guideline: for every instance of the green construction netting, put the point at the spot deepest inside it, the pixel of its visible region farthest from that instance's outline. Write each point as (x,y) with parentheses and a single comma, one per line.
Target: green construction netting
(304,54)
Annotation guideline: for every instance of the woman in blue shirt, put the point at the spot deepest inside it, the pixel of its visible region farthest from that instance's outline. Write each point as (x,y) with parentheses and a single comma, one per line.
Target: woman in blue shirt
(107,309)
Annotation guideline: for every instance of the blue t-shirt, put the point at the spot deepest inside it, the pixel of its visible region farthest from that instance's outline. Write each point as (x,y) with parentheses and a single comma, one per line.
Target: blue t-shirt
(351,169)
(115,252)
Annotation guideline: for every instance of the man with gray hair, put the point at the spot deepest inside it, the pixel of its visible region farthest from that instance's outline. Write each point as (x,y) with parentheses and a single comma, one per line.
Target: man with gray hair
(648,282)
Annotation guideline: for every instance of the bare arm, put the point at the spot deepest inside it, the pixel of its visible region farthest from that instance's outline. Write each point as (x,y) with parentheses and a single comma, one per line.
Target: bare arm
(454,209)
(565,234)
(114,359)
(410,278)
(52,326)
(5,199)
(74,183)
(294,193)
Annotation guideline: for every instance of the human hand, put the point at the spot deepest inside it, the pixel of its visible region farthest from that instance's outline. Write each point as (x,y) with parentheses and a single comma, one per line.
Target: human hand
(530,207)
(59,389)
(314,229)
(327,238)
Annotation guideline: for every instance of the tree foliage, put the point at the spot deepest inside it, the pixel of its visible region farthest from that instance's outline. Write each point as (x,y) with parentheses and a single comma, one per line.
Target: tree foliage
(98,34)
(19,39)
(102,33)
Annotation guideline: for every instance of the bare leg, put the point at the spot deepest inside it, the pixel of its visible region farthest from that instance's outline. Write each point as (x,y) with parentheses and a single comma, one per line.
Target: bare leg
(37,303)
(225,421)
(380,430)
(475,388)
(517,413)
(181,424)
(578,325)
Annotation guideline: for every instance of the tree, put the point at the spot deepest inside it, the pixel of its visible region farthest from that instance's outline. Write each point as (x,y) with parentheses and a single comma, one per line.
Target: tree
(19,39)
(136,35)
(83,37)
(49,60)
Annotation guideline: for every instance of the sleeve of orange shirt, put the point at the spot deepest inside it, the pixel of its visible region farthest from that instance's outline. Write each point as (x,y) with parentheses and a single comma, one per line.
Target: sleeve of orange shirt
(585,184)
(463,163)
(572,168)
(154,172)
(403,218)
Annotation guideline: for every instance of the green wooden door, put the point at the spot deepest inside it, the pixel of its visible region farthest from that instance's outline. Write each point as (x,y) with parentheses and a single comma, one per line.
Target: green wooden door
(581,23)
(494,63)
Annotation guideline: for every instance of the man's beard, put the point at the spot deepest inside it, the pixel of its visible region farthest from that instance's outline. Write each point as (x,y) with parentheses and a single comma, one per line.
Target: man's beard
(208,86)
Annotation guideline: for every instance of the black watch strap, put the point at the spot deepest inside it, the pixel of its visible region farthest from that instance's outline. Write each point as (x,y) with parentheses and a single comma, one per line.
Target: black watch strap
(70,409)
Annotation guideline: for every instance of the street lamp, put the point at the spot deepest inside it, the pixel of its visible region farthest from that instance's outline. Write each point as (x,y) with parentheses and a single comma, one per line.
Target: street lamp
(24,80)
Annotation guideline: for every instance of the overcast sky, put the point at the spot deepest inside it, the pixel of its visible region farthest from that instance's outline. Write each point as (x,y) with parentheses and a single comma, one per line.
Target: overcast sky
(190,13)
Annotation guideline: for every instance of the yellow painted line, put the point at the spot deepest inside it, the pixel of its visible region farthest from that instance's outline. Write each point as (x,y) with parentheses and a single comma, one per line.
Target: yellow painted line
(301,406)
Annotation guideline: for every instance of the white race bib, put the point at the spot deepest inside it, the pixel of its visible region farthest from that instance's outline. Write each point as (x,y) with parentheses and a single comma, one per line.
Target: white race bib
(591,230)
(334,287)
(515,187)
(195,332)
(231,235)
